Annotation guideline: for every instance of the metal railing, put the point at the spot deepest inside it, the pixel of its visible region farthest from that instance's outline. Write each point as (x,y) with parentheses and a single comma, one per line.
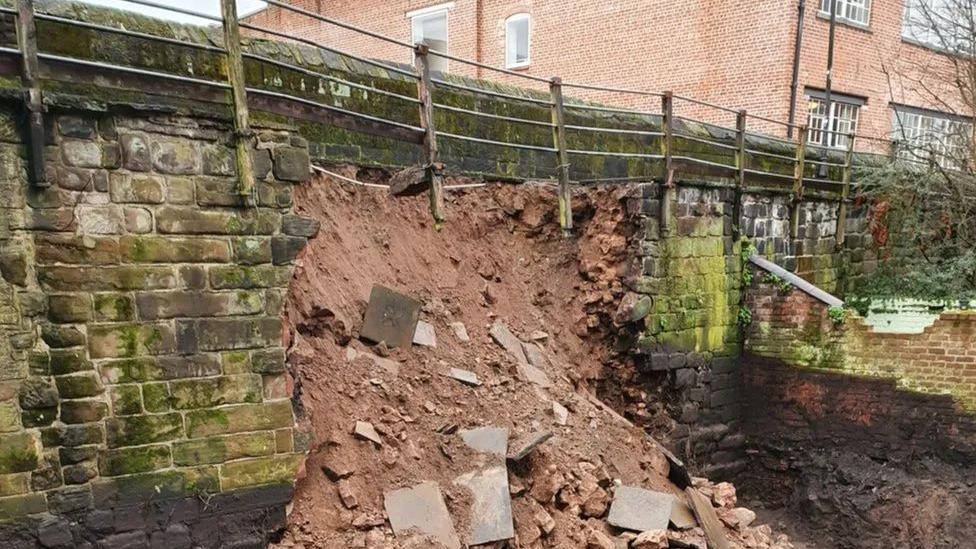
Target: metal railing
(669,136)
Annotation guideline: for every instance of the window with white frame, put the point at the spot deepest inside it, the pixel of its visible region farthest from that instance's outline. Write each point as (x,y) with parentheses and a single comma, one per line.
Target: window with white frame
(853,11)
(832,130)
(928,135)
(429,26)
(941,24)
(518,40)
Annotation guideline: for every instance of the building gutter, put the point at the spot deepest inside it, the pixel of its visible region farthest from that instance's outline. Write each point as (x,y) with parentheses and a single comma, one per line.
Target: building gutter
(795,81)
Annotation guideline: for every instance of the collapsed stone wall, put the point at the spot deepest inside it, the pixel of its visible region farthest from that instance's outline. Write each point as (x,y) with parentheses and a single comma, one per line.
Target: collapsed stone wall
(143,390)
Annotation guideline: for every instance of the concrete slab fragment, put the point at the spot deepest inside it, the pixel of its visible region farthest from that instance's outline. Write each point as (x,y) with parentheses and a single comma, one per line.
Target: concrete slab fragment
(464,376)
(682,517)
(507,340)
(491,505)
(390,317)
(366,431)
(640,510)
(489,440)
(425,335)
(421,508)
(529,443)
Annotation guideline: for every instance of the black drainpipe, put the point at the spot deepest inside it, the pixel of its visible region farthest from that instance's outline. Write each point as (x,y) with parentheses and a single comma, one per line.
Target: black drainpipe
(794,84)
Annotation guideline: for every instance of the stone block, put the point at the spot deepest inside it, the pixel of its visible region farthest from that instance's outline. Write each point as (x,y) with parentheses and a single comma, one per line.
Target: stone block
(180,190)
(84,250)
(82,411)
(156,305)
(239,418)
(175,536)
(18,453)
(99,219)
(85,384)
(156,397)
(135,152)
(159,368)
(14,484)
(36,393)
(126,400)
(138,220)
(9,422)
(136,188)
(150,249)
(223,449)
(259,471)
(126,461)
(13,267)
(72,435)
(296,225)
(113,307)
(261,161)
(69,308)
(63,361)
(104,279)
(175,156)
(81,154)
(268,361)
(206,393)
(252,250)
(215,334)
(61,337)
(176,220)
(284,249)
(291,164)
(261,276)
(218,191)
(219,160)
(140,430)
(77,127)
(20,506)
(127,540)
(130,340)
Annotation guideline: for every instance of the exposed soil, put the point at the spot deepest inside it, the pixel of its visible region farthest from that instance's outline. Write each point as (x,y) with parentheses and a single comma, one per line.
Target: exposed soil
(500,257)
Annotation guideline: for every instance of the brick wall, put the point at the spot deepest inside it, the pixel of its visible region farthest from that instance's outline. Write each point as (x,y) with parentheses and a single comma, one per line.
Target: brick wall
(705,49)
(143,363)
(809,375)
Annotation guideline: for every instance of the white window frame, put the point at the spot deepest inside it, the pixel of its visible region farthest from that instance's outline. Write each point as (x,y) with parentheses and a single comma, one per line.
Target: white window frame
(943,135)
(839,127)
(439,10)
(510,55)
(845,8)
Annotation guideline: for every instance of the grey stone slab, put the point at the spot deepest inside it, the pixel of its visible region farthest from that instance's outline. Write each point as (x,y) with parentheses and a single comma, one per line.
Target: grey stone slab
(560,413)
(425,335)
(535,355)
(534,375)
(507,340)
(491,505)
(390,317)
(464,376)
(682,517)
(528,444)
(640,510)
(421,508)
(365,430)
(489,440)
(460,332)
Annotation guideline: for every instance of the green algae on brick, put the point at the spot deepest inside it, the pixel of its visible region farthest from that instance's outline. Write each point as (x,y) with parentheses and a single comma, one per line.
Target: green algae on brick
(239,418)
(139,430)
(18,453)
(259,471)
(205,393)
(223,449)
(134,460)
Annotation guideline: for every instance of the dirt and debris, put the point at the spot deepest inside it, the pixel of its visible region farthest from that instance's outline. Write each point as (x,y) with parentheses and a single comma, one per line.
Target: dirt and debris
(513,304)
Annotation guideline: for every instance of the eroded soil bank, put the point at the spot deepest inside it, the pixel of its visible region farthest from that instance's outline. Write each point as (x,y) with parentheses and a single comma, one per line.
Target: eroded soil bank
(499,259)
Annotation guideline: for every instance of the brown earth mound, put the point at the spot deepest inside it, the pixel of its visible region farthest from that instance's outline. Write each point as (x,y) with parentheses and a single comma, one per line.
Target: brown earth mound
(499,259)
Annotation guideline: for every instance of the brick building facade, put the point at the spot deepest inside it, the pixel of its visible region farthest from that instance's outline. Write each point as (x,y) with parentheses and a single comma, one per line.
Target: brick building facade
(735,53)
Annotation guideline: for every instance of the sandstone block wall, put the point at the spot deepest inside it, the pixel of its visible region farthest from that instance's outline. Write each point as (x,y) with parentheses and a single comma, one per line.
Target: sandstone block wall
(143,369)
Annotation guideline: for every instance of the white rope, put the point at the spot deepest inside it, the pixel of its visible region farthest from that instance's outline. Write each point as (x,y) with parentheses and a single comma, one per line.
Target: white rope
(377,186)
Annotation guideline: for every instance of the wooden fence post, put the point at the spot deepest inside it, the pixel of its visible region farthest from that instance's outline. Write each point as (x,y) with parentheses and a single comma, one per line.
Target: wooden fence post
(27,42)
(740,169)
(797,198)
(432,165)
(667,145)
(235,75)
(841,232)
(562,156)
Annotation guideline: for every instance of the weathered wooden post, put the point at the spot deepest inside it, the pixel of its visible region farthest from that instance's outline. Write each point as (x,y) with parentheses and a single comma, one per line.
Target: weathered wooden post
(562,156)
(740,171)
(433,167)
(27,42)
(235,75)
(799,168)
(845,192)
(667,145)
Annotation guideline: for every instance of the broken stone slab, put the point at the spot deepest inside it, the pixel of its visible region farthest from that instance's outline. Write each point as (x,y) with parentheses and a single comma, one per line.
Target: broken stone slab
(421,508)
(464,376)
(425,335)
(528,444)
(491,505)
(391,317)
(682,517)
(460,332)
(538,335)
(508,341)
(632,308)
(489,440)
(534,375)
(651,539)
(390,366)
(705,513)
(560,413)
(409,181)
(534,355)
(366,431)
(640,510)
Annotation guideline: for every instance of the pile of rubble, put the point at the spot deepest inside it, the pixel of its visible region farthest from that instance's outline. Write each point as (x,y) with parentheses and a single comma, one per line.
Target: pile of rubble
(462,415)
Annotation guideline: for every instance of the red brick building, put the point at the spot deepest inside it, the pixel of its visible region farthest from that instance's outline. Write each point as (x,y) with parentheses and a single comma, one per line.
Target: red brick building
(737,53)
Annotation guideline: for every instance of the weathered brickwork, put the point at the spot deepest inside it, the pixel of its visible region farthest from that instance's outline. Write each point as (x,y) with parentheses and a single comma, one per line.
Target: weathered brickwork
(142,337)
(830,378)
